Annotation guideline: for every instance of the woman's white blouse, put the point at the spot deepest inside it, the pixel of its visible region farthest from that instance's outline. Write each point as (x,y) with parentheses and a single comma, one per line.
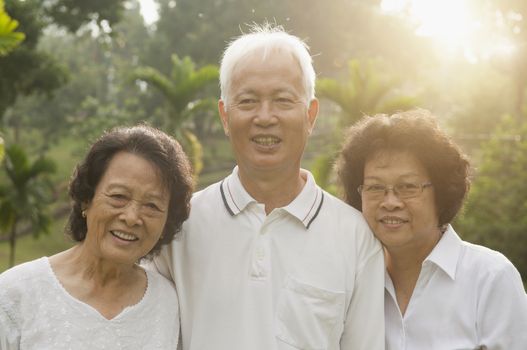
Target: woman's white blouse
(466,297)
(36,312)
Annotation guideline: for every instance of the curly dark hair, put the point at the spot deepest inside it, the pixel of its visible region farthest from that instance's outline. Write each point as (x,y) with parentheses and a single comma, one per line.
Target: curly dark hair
(416,132)
(152,144)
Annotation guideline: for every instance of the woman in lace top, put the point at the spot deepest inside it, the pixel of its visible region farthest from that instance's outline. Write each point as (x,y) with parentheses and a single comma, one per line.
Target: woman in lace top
(130,196)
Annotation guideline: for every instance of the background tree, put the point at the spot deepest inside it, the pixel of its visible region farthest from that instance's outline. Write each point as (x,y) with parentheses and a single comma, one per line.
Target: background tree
(96,97)
(496,212)
(28,70)
(181,91)
(9,39)
(367,90)
(24,195)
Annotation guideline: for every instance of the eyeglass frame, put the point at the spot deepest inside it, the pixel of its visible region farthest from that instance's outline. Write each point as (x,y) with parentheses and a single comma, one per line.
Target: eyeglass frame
(392,188)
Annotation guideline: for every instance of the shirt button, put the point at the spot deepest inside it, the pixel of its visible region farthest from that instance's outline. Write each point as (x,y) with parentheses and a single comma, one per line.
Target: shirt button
(260,253)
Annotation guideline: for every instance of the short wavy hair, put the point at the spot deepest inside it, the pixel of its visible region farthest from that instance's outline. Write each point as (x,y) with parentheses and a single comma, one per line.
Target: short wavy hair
(416,132)
(161,150)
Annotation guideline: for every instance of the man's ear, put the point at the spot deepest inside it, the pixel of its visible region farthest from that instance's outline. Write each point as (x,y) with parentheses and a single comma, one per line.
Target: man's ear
(312,113)
(224,116)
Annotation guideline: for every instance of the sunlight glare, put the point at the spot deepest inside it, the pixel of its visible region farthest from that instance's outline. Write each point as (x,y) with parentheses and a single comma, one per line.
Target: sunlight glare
(149,11)
(452,24)
(446,20)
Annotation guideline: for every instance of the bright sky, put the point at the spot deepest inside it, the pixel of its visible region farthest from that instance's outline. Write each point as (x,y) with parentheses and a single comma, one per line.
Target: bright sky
(149,11)
(454,25)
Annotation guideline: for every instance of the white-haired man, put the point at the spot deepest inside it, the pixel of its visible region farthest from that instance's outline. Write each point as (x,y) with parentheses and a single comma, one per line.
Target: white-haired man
(267,259)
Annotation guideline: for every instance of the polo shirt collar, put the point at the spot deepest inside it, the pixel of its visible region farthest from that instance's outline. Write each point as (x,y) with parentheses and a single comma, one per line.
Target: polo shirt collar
(235,197)
(446,252)
(305,207)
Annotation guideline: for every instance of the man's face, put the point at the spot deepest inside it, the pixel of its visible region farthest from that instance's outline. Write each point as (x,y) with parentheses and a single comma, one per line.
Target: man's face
(268,119)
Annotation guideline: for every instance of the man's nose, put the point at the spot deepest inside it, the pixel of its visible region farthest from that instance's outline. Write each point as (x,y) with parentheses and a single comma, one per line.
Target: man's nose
(266,113)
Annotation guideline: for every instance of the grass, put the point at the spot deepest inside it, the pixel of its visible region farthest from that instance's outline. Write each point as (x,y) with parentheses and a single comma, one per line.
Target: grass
(30,248)
(66,153)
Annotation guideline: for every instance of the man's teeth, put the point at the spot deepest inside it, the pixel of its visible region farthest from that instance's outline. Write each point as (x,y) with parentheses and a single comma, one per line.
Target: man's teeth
(124,236)
(266,140)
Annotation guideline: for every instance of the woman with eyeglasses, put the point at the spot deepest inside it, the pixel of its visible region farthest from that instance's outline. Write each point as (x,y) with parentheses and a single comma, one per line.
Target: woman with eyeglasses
(409,180)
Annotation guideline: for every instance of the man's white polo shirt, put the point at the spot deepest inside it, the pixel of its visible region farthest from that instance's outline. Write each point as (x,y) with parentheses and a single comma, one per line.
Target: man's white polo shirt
(466,297)
(307,276)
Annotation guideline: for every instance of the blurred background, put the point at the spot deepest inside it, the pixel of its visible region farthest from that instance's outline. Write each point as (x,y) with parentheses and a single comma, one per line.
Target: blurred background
(70,69)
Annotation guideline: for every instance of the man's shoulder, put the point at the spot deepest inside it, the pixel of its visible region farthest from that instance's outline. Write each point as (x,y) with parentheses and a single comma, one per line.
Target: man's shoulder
(337,207)
(205,202)
(207,193)
(161,284)
(342,220)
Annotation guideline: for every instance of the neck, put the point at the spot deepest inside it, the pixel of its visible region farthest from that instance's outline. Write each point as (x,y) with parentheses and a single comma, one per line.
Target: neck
(86,266)
(404,266)
(410,257)
(273,190)
(108,287)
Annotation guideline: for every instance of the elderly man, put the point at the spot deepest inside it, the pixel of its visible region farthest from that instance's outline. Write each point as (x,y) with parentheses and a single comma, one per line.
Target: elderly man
(267,259)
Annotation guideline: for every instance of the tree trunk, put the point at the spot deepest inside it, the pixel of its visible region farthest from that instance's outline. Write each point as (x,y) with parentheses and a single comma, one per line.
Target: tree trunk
(12,245)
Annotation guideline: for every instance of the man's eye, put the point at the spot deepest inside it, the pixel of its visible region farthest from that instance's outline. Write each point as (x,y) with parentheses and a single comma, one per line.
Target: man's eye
(247,101)
(284,102)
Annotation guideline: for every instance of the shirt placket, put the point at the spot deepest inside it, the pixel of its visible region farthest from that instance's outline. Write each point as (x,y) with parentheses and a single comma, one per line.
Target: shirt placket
(260,258)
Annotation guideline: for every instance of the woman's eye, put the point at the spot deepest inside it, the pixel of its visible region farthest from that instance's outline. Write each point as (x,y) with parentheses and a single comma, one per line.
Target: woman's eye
(375,188)
(117,196)
(152,206)
(117,199)
(408,186)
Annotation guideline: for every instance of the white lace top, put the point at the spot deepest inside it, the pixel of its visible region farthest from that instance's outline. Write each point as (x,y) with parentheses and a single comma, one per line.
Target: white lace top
(36,312)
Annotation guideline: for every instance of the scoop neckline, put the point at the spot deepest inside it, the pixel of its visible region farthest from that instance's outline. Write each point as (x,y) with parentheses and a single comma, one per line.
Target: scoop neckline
(90,308)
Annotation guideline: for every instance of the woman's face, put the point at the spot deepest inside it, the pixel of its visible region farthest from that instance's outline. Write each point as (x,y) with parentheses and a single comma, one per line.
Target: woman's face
(400,223)
(128,212)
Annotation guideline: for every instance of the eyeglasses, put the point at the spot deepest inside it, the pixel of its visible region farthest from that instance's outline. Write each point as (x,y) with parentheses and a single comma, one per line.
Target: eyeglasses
(403,190)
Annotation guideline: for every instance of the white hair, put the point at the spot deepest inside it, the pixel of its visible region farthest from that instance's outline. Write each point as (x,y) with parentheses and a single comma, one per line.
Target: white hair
(266,37)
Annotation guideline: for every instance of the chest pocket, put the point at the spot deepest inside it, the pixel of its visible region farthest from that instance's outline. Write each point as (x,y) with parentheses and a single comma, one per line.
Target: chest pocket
(307,315)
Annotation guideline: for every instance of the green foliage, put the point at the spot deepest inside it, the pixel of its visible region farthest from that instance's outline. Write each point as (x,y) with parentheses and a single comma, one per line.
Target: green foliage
(72,14)
(496,211)
(98,94)
(182,92)
(27,70)
(322,169)
(9,39)
(365,91)
(24,195)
